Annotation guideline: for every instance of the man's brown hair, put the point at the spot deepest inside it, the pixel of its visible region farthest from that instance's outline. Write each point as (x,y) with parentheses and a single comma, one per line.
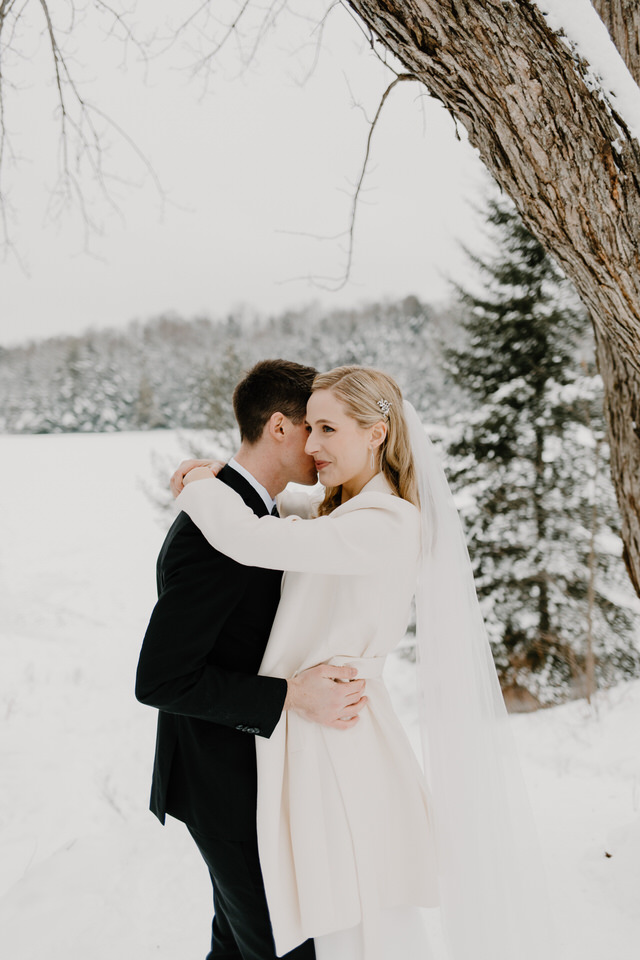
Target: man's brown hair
(272,386)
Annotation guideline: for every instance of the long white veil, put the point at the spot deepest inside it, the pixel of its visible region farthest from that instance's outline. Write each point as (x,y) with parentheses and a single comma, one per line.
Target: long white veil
(492,891)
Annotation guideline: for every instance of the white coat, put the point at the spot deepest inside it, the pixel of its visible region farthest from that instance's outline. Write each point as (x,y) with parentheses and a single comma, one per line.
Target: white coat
(343,824)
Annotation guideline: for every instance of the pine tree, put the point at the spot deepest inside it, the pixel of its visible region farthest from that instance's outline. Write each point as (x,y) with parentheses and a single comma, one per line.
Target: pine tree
(529,462)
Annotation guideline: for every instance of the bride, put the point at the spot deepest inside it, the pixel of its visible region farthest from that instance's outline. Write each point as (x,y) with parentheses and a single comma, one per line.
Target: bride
(353,839)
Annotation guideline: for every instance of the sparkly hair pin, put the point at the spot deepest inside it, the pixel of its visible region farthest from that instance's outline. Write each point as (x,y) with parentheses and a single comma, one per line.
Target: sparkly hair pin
(385,406)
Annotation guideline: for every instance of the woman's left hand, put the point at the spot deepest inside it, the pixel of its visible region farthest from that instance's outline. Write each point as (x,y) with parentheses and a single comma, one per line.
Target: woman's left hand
(178,481)
(198,473)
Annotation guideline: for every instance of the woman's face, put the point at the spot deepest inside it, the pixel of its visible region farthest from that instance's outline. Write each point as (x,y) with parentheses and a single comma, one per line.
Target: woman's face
(340,447)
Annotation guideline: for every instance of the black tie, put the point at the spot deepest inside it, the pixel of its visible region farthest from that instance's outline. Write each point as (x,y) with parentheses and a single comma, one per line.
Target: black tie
(274,512)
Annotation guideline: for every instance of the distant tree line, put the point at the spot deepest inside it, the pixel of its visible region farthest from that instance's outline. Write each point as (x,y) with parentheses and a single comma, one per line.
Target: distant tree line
(170,372)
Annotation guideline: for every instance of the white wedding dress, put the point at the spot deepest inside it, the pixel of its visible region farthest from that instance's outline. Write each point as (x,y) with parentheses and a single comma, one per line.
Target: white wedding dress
(402,936)
(344,831)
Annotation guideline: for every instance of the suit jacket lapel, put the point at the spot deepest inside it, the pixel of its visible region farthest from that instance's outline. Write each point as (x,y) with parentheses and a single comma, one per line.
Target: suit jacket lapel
(242,486)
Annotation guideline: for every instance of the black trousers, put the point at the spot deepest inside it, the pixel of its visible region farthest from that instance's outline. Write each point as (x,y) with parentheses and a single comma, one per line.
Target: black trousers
(241,928)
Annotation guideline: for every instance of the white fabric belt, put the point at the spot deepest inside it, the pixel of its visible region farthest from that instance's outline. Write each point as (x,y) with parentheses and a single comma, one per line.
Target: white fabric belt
(369,668)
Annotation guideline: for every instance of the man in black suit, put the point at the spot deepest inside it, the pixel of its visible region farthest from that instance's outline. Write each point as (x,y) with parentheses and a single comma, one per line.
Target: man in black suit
(199,662)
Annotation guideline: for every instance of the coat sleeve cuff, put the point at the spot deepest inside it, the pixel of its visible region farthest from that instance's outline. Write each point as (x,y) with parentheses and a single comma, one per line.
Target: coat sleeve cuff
(268,708)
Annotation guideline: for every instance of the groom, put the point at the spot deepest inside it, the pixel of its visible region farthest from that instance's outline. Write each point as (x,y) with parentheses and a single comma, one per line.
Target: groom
(199,666)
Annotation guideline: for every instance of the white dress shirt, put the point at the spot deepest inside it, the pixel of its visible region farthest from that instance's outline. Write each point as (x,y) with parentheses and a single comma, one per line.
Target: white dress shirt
(269,502)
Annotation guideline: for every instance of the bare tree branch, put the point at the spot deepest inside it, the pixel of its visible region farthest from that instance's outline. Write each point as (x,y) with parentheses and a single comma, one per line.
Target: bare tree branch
(82,147)
(402,77)
(232,28)
(338,283)
(319,37)
(370,37)
(120,22)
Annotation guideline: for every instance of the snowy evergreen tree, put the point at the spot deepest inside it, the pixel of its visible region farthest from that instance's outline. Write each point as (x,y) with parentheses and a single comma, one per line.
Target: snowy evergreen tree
(529,463)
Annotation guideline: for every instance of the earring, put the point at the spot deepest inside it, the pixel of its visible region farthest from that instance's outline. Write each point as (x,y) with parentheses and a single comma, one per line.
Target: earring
(372,461)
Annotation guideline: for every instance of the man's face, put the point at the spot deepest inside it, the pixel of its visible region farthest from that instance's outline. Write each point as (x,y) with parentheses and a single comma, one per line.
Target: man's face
(301,467)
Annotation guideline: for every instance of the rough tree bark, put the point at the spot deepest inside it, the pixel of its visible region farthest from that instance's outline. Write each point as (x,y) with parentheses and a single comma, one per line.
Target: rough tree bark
(566,159)
(622,411)
(621,380)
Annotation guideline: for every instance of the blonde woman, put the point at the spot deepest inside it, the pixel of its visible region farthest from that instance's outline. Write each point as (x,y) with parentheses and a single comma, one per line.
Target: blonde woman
(351,842)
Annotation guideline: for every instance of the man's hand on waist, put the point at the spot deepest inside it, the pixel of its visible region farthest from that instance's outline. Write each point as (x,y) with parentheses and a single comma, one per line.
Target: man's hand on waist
(321,695)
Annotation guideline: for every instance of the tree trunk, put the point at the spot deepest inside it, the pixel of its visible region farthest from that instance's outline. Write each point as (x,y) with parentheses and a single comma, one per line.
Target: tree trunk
(622,20)
(567,161)
(622,411)
(621,380)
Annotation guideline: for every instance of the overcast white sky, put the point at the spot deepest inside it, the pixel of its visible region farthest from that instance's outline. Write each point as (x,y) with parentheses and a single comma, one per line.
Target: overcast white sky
(247,166)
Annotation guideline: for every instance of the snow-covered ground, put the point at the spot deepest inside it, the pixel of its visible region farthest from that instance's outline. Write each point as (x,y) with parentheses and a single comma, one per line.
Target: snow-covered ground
(86,873)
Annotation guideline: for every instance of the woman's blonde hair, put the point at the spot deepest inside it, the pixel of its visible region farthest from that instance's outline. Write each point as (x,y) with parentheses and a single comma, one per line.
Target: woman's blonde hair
(360,390)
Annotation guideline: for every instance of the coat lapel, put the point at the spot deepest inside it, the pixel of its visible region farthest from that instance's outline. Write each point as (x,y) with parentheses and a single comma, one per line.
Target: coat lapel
(241,486)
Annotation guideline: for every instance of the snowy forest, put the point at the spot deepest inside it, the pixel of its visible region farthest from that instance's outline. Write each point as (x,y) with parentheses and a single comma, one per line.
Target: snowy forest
(172,372)
(504,376)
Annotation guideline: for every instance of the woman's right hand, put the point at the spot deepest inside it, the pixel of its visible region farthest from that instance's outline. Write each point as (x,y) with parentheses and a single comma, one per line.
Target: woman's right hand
(177,479)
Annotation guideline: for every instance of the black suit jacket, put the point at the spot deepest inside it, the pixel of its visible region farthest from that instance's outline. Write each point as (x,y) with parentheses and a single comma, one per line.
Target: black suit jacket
(198,665)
